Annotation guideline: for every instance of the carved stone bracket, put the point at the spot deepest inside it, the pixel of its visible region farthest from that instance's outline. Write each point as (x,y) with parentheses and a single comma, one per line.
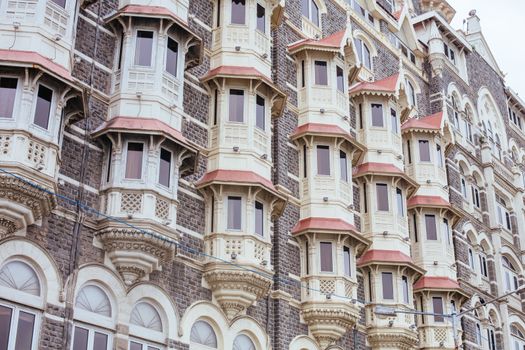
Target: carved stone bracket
(394,338)
(236,289)
(136,254)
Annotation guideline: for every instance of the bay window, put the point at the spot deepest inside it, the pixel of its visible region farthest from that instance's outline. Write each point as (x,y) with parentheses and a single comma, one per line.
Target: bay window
(430,225)
(400,203)
(395,124)
(234,213)
(143,48)
(388,285)
(321,73)
(347,261)
(323,160)
(437,305)
(343,162)
(236,105)
(404,286)
(424,151)
(238,12)
(165,167)
(259,218)
(43,106)
(382,197)
(439,156)
(340,79)
(446,231)
(8,88)
(172,51)
(261,18)
(134,160)
(260,112)
(377,115)
(326,256)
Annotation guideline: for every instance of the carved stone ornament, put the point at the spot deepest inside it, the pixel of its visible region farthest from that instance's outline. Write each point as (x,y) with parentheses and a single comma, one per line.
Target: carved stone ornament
(21,204)
(236,289)
(136,254)
(329,320)
(393,338)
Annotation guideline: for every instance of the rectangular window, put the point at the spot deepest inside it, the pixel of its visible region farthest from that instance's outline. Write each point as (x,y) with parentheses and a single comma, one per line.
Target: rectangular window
(260,112)
(393,117)
(61,3)
(218,19)
(414,220)
(134,160)
(344,166)
(340,79)
(120,50)
(259,218)
(437,304)
(424,151)
(360,116)
(172,51)
(377,115)
(304,8)
(382,197)
(388,285)
(110,154)
(346,258)
(307,257)
(236,106)
(409,153)
(24,332)
(302,73)
(430,225)
(404,281)
(80,338)
(234,213)
(439,156)
(369,286)
(212,214)
(165,167)
(321,73)
(446,231)
(238,11)
(471,259)
(43,106)
(100,341)
(7,96)
(215,106)
(143,48)
(323,160)
(5,325)
(305,155)
(261,18)
(326,257)
(365,198)
(400,204)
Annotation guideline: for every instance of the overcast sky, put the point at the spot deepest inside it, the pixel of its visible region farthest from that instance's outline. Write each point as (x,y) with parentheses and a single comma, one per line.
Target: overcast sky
(502,23)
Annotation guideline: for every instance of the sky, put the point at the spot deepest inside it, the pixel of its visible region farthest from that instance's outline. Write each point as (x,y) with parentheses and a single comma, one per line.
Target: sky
(502,24)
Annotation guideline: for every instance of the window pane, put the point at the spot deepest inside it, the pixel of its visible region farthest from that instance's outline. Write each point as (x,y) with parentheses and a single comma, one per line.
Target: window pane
(439,156)
(404,280)
(234,213)
(238,11)
(43,106)
(236,105)
(393,117)
(259,218)
(134,160)
(164,167)
(377,115)
(5,325)
(171,56)
(323,160)
(346,257)
(340,79)
(80,340)
(343,162)
(424,151)
(24,333)
(135,346)
(100,342)
(388,285)
(399,199)
(367,61)
(326,257)
(430,222)
(61,3)
(7,96)
(314,13)
(304,7)
(437,304)
(382,197)
(321,73)
(359,48)
(143,48)
(260,113)
(261,18)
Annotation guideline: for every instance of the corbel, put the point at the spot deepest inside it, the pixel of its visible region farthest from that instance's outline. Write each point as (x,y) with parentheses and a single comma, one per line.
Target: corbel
(35,80)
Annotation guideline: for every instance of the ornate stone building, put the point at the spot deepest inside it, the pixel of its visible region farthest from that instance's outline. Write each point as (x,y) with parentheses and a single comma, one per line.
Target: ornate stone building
(256,174)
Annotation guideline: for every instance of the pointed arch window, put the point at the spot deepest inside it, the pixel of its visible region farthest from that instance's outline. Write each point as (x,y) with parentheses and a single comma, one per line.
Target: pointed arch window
(511,275)
(202,336)
(363,52)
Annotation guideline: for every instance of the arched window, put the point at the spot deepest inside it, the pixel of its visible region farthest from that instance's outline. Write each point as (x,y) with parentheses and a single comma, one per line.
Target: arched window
(491,335)
(455,108)
(498,147)
(411,93)
(517,337)
(503,213)
(511,275)
(202,336)
(94,306)
(363,52)
(243,342)
(17,324)
(144,319)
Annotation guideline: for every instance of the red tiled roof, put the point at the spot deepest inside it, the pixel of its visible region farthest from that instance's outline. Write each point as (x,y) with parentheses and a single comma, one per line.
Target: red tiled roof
(330,42)
(387,256)
(429,282)
(376,168)
(35,59)
(235,176)
(434,201)
(146,10)
(326,224)
(397,14)
(318,128)
(236,71)
(142,125)
(431,122)
(387,85)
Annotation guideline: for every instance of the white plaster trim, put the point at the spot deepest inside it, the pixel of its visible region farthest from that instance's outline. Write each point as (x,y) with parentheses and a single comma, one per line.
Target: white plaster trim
(188,192)
(189,232)
(93,23)
(82,142)
(292,176)
(199,22)
(292,87)
(76,183)
(294,277)
(90,60)
(294,243)
(53,317)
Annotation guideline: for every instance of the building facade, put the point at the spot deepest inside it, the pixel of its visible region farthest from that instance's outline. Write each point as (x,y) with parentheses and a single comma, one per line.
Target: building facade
(257,174)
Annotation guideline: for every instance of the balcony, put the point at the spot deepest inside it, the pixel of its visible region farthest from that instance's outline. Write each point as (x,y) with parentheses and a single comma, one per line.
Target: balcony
(383,331)
(432,336)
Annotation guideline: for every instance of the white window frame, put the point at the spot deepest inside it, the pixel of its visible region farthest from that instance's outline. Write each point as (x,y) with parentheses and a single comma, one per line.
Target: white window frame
(18,96)
(258,200)
(245,110)
(144,161)
(243,211)
(172,158)
(145,343)
(91,335)
(14,325)
(154,48)
(52,112)
(180,57)
(334,256)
